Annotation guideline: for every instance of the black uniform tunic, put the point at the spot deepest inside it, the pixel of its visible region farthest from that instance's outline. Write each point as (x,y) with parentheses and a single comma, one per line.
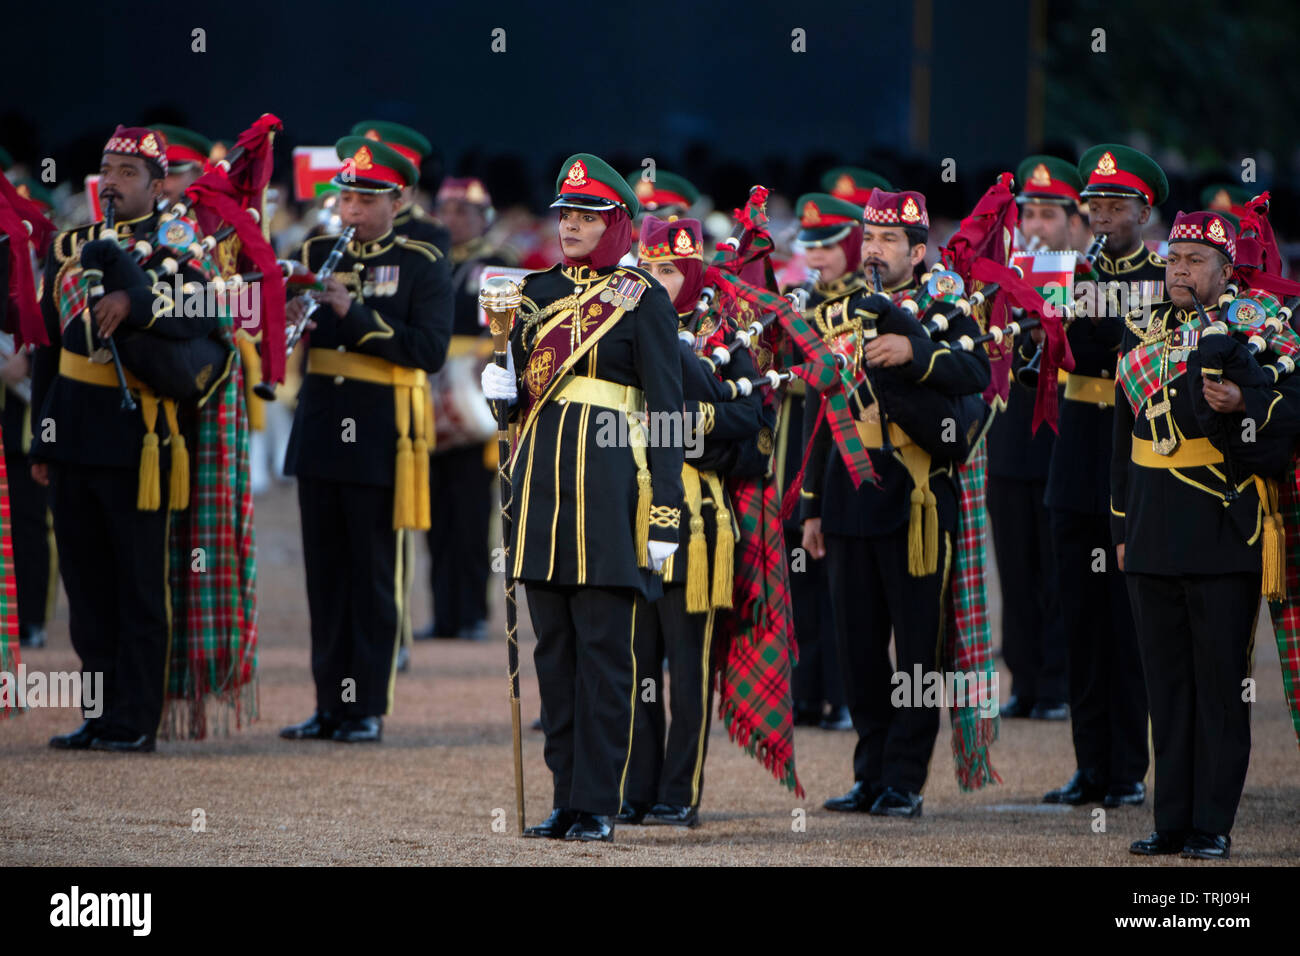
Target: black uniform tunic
(342,449)
(866,536)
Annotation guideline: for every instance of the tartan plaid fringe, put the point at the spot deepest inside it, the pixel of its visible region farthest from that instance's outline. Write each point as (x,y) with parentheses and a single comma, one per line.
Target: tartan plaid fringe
(1286,612)
(193,717)
(9,647)
(753,741)
(968,644)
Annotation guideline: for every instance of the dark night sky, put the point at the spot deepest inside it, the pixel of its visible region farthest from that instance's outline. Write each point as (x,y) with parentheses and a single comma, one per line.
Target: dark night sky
(620,79)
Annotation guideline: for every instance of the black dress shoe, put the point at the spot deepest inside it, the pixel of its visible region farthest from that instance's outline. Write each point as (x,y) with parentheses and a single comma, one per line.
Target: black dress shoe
(837,719)
(897,803)
(79,739)
(1016,707)
(1081,789)
(360,730)
(591,828)
(1049,710)
(806,715)
(553,827)
(33,635)
(1125,794)
(124,743)
(631,813)
(318,726)
(857,800)
(403,659)
(666,813)
(478,631)
(536,724)
(1207,846)
(1159,843)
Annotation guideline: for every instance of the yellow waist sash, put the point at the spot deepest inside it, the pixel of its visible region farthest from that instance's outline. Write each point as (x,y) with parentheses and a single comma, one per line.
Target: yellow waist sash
(149,489)
(1087,388)
(1191,453)
(413,403)
(923,525)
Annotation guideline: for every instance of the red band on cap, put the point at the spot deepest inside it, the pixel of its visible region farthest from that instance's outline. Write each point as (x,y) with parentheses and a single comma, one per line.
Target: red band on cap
(1121,178)
(591,187)
(405,151)
(183,154)
(1057,187)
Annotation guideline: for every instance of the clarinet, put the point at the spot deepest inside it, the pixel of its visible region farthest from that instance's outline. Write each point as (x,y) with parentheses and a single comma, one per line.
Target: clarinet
(95,278)
(1028,374)
(266,390)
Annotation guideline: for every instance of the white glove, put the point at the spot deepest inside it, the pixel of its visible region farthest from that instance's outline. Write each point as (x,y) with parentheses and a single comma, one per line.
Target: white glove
(659,552)
(499,383)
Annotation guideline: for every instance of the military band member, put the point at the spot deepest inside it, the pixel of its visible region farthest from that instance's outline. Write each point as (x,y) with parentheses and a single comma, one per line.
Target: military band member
(460,478)
(1033,639)
(1107,699)
(411,219)
(665,784)
(187,155)
(830,231)
(596,507)
(100,460)
(1200,437)
(384,323)
(667,195)
(852,184)
(883,577)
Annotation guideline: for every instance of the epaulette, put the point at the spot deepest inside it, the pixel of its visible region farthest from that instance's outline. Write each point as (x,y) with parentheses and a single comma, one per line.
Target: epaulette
(432,252)
(65,246)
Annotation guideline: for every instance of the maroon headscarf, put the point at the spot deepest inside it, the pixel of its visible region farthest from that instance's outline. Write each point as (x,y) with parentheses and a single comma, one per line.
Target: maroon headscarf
(613,244)
(852,246)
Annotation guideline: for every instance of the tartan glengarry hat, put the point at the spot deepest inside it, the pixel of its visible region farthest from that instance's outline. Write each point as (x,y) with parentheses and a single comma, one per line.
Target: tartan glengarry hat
(464,189)
(1112,169)
(666,189)
(663,239)
(853,183)
(824,220)
(588,182)
(1048,179)
(905,208)
(370,166)
(185,148)
(149,144)
(1208,228)
(410,143)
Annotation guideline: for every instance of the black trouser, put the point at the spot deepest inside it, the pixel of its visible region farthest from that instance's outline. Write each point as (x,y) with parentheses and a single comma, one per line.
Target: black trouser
(873,595)
(817,676)
(353,559)
(461,489)
(114,563)
(29,523)
(1033,643)
(676,775)
(1197,635)
(586,674)
(1108,706)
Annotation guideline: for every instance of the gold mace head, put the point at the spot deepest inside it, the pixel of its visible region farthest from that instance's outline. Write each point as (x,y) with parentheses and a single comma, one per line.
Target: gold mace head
(500,297)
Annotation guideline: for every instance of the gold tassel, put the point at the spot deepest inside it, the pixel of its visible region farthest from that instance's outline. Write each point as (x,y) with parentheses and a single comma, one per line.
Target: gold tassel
(252,375)
(724,554)
(697,569)
(149,492)
(1272,541)
(931,532)
(178,495)
(915,536)
(644,491)
(404,486)
(420,486)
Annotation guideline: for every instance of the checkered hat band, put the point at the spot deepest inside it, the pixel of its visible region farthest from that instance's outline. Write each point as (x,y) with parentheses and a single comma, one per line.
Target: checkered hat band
(890,217)
(128,146)
(1191,232)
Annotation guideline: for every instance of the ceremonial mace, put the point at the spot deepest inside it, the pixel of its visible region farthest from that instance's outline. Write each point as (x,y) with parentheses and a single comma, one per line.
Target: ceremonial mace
(500,298)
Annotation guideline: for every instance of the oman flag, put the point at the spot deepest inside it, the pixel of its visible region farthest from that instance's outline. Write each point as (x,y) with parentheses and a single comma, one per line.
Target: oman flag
(313,168)
(1051,273)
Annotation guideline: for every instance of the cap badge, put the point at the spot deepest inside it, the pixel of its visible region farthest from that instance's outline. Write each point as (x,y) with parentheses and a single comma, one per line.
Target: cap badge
(577,174)
(362,159)
(1040,176)
(911,213)
(844,185)
(1215,231)
(475,192)
(373,134)
(1221,200)
(682,245)
(149,145)
(644,189)
(811,214)
(1106,165)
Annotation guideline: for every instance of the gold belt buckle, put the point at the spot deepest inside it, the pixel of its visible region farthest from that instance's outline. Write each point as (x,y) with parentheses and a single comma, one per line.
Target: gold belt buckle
(1164,446)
